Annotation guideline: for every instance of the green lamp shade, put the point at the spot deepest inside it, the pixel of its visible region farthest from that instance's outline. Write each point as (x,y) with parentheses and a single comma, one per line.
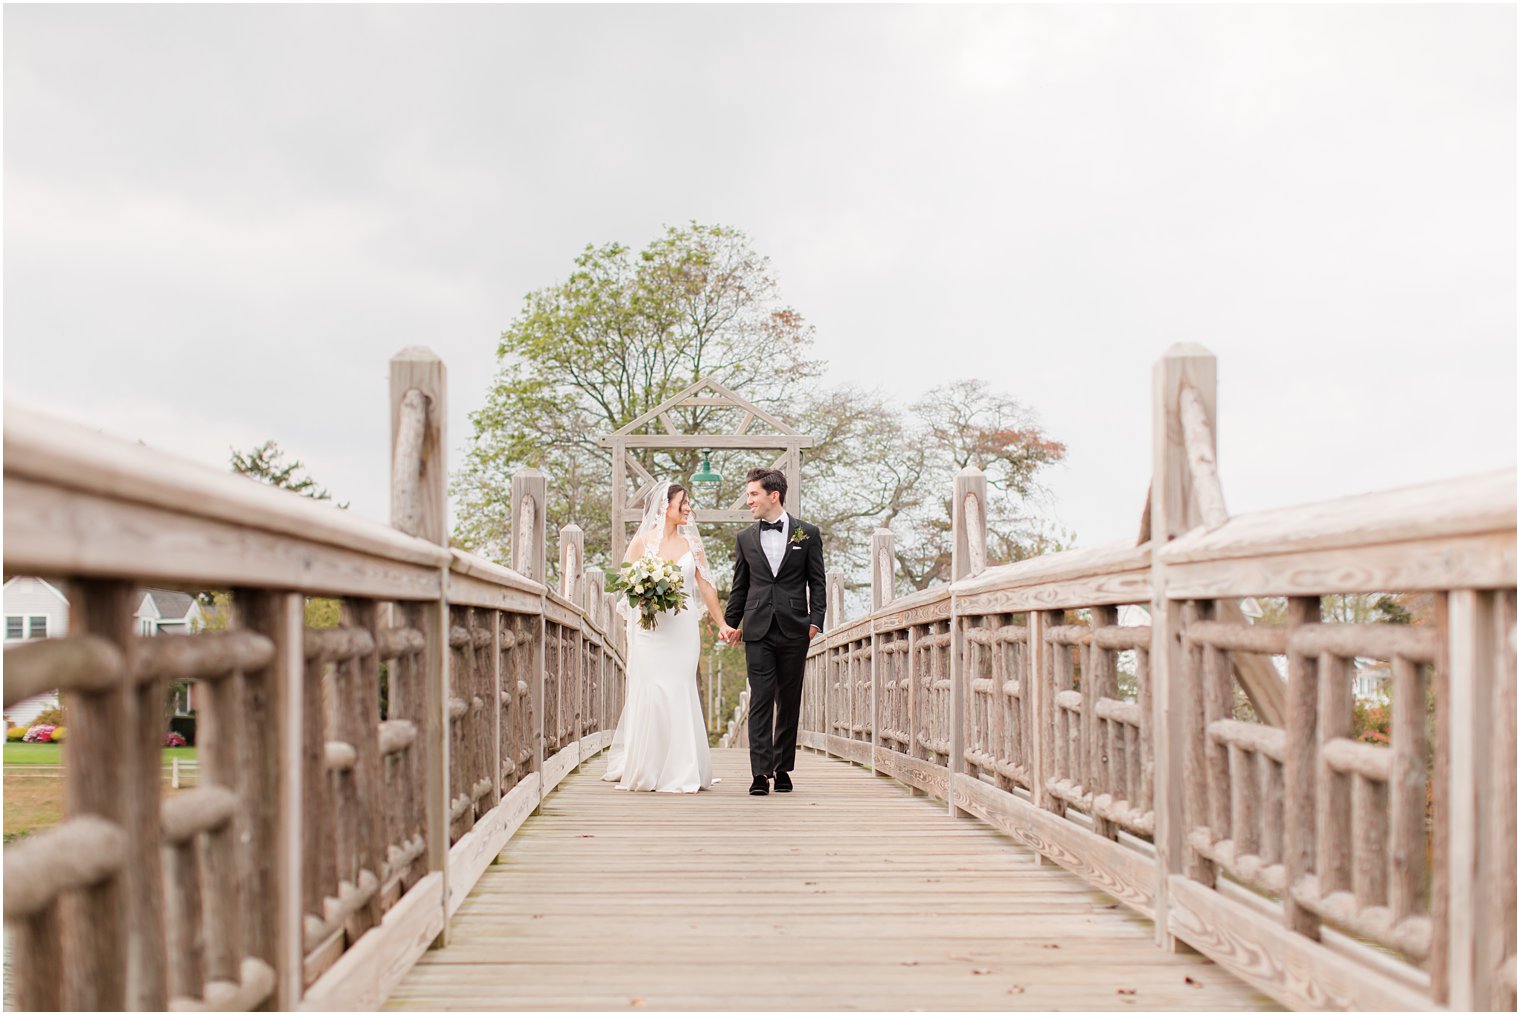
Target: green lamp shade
(706,474)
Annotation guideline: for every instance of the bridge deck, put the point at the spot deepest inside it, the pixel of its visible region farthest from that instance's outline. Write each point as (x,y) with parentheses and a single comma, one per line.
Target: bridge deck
(842,895)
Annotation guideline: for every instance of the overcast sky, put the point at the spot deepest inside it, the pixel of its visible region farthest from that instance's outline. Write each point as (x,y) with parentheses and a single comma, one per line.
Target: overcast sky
(221,222)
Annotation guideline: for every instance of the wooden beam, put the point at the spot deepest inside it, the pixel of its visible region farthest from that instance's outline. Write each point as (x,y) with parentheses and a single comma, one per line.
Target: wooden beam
(716,441)
(749,406)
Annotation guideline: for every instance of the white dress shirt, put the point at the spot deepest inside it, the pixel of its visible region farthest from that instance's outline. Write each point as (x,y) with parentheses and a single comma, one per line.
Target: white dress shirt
(773,543)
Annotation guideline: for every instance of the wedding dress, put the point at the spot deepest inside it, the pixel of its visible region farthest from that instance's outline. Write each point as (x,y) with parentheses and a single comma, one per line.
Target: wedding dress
(661,739)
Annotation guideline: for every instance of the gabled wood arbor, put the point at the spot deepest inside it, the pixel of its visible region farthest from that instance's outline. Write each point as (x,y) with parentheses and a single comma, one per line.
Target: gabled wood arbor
(704,393)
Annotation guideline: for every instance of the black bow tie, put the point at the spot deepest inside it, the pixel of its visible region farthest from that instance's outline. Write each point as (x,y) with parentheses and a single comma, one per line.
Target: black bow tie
(771,525)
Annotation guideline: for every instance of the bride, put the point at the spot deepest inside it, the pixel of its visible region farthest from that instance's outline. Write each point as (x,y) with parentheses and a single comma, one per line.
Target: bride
(661,740)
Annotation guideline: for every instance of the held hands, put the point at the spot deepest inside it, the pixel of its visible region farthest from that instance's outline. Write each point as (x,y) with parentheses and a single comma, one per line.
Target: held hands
(731,635)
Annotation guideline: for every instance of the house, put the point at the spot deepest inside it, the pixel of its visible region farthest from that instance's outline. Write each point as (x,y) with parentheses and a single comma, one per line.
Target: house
(34,608)
(37,608)
(1372,681)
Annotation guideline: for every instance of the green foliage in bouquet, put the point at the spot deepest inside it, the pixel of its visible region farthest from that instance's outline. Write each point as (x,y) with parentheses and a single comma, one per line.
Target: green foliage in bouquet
(652,585)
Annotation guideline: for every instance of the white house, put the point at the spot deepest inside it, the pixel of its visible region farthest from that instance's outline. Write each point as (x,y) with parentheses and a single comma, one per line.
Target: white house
(1372,681)
(35,608)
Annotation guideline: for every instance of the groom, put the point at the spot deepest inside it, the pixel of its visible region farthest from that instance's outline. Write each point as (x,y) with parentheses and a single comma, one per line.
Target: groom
(777,602)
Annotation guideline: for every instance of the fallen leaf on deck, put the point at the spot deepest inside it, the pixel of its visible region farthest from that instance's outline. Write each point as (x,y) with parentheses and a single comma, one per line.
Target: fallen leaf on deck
(910,962)
(1015,989)
(981,972)
(1126,990)
(636,1002)
(1050,946)
(1191,982)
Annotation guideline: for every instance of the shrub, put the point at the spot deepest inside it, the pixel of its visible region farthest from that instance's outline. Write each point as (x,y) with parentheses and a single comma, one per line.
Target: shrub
(14,733)
(40,733)
(1370,722)
(58,733)
(172,739)
(49,717)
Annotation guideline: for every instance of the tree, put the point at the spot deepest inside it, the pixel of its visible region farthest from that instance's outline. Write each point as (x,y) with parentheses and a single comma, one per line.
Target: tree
(624,333)
(628,331)
(266,463)
(955,425)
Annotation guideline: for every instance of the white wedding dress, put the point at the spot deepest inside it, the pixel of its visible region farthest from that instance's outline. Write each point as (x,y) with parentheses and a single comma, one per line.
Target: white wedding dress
(661,740)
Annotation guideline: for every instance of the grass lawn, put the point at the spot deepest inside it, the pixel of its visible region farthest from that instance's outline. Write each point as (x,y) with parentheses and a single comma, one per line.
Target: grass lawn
(52,754)
(34,785)
(31,803)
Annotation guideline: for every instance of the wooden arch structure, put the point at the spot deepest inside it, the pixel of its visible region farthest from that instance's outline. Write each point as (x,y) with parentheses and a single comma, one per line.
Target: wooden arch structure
(656,429)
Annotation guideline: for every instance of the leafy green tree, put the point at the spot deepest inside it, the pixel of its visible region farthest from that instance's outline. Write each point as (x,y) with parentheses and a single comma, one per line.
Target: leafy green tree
(626,331)
(266,463)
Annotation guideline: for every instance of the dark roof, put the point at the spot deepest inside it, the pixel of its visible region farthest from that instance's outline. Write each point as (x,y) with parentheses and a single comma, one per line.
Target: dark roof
(171,605)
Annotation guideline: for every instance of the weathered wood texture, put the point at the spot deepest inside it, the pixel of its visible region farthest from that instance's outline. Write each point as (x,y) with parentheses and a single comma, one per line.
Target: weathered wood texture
(1121,751)
(346,774)
(818,900)
(356,781)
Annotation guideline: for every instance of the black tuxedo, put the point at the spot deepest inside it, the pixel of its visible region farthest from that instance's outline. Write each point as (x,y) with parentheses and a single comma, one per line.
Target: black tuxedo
(775,611)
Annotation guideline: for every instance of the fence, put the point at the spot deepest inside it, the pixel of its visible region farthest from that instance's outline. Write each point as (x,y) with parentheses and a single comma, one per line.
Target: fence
(1116,710)
(354,782)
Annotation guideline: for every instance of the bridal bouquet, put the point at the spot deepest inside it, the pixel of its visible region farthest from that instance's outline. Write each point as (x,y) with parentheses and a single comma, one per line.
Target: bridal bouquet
(652,585)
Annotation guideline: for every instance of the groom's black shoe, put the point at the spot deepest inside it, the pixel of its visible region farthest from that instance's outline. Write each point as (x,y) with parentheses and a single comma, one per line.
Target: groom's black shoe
(783,783)
(760,787)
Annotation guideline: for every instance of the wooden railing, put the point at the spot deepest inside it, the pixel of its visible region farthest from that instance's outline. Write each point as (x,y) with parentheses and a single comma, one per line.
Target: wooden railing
(330,836)
(1086,704)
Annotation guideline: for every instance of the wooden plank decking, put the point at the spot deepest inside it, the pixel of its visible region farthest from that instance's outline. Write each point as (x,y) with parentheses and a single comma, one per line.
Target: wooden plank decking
(845,894)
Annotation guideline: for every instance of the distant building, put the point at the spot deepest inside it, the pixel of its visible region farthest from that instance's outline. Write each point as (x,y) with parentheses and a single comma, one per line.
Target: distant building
(1371,681)
(36,608)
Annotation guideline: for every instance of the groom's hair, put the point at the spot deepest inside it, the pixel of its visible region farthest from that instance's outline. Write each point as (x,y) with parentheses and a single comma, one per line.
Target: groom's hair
(770,480)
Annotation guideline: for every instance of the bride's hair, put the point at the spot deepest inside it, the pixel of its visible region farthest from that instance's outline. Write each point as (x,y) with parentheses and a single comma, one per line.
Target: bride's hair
(675,489)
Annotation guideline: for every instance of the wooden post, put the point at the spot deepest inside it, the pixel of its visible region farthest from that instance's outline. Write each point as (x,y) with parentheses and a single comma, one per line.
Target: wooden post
(529,526)
(1477,653)
(419,504)
(883,569)
(1043,711)
(915,709)
(834,601)
(619,499)
(794,479)
(955,763)
(422,510)
(572,561)
(1299,767)
(536,680)
(1100,680)
(593,587)
(876,693)
(115,931)
(968,555)
(1172,513)
(273,741)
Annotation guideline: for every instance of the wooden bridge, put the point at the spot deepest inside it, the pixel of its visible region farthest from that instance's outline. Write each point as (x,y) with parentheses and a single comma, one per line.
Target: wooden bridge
(404,809)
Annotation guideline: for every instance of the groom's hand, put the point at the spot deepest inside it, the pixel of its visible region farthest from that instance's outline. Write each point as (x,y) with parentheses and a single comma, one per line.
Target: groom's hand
(813,632)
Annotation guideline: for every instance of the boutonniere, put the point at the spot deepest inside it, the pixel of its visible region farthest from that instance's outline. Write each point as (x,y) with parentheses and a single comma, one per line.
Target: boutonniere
(799,537)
